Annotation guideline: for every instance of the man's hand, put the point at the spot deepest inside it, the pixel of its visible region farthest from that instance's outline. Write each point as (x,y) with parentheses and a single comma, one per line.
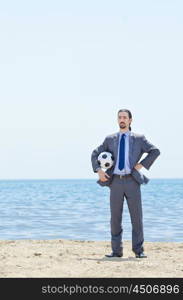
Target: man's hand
(103,175)
(138,167)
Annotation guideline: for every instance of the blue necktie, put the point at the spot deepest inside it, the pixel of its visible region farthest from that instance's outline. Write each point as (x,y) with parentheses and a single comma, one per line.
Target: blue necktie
(122,152)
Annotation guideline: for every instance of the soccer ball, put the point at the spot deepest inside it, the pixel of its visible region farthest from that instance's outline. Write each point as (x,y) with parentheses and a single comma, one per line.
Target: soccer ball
(105,160)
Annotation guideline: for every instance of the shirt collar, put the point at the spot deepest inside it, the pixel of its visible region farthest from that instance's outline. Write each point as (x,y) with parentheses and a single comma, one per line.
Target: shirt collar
(126,133)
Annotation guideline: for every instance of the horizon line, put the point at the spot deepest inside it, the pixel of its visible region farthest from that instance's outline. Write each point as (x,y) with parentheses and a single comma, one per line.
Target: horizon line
(6,179)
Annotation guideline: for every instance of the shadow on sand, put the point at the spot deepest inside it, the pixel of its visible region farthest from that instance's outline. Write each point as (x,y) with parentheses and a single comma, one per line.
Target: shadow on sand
(116,259)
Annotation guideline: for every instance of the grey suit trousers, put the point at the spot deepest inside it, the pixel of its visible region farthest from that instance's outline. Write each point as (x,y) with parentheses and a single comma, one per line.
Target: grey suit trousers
(129,189)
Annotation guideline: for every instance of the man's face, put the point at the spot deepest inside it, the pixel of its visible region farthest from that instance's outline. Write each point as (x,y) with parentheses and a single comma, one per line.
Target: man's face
(123,120)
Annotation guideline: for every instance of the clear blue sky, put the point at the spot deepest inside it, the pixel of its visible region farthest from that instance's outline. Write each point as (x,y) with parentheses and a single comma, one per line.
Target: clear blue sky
(67,67)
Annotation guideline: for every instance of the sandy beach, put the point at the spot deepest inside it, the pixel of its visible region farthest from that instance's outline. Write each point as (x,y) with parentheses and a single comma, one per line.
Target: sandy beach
(72,258)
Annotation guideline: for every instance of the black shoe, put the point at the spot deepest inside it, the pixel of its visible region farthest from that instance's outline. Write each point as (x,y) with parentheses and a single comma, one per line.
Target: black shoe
(140,255)
(114,255)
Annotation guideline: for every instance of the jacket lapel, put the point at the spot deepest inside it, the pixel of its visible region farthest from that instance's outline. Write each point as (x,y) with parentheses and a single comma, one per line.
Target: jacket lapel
(131,141)
(116,141)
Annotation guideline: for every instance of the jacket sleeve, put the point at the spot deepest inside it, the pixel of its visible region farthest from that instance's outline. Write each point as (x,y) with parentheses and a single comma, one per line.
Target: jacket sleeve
(95,154)
(153,153)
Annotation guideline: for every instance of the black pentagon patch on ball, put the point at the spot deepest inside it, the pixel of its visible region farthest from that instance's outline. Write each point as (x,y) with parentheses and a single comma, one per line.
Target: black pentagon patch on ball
(98,162)
(112,157)
(107,165)
(104,156)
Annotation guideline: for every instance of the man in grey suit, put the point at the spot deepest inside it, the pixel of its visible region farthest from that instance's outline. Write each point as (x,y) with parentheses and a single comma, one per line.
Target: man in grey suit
(124,179)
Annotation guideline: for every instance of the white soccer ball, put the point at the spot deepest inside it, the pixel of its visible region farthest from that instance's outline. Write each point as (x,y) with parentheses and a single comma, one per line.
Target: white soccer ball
(105,160)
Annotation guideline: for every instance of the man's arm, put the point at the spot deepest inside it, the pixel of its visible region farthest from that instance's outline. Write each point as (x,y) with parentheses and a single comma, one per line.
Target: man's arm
(153,153)
(94,156)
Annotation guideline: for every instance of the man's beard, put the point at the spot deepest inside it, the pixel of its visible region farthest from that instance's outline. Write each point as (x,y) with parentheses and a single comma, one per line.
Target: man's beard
(122,126)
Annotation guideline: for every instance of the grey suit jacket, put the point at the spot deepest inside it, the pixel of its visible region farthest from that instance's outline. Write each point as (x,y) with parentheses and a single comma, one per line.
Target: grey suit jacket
(138,145)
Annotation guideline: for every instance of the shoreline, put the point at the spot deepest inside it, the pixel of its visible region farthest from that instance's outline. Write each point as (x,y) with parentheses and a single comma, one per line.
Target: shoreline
(83,258)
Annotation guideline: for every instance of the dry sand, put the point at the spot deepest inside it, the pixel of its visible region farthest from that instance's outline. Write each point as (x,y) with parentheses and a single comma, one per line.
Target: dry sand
(71,258)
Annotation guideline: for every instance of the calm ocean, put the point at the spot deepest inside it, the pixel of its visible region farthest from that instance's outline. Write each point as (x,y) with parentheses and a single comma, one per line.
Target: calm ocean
(79,209)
